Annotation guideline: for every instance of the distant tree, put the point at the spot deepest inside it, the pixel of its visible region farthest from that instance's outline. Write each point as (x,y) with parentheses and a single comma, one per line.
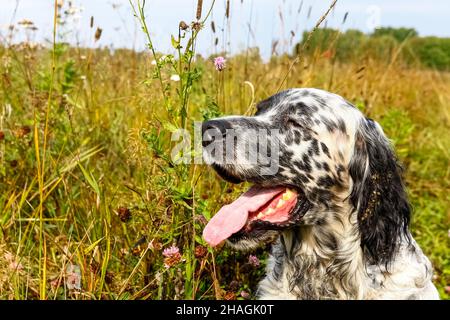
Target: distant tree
(400,34)
(431,52)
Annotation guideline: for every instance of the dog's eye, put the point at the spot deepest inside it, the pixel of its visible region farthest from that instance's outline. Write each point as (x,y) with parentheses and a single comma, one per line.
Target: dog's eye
(292,123)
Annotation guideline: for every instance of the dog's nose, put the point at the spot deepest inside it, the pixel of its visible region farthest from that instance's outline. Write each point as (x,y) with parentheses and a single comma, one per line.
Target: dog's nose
(213,129)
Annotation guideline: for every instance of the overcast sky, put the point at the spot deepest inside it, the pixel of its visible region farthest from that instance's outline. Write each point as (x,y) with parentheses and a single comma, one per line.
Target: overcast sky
(270,20)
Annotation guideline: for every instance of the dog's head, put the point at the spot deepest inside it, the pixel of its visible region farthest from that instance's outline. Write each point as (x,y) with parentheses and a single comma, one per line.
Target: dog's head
(313,158)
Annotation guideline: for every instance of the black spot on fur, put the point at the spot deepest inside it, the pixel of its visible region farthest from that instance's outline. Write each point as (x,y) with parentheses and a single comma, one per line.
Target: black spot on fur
(304,166)
(341,126)
(264,105)
(322,196)
(326,182)
(297,137)
(315,147)
(325,150)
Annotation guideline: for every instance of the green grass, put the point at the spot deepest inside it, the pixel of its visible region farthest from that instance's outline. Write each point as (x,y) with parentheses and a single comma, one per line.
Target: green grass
(108,147)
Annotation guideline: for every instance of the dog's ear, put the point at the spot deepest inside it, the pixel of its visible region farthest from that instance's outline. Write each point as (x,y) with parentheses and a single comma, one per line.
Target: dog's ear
(378,194)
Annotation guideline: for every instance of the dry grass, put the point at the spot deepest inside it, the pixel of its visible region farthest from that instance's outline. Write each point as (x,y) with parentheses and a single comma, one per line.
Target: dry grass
(104,198)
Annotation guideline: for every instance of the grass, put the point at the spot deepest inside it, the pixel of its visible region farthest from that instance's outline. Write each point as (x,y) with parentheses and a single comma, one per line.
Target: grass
(87,182)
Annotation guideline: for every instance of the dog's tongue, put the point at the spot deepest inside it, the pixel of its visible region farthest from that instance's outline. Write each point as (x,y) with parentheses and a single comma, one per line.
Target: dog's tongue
(232,217)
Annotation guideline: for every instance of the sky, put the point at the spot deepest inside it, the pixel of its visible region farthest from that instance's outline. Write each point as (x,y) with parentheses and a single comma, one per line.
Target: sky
(251,23)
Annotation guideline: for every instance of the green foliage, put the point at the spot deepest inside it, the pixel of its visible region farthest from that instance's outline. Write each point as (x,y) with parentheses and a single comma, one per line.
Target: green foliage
(432,52)
(399,34)
(112,198)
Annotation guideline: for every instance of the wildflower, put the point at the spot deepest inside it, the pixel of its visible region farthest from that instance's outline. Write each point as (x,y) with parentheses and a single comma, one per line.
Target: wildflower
(124,214)
(170,252)
(153,62)
(175,77)
(172,256)
(73,277)
(219,63)
(200,251)
(253,260)
(245,294)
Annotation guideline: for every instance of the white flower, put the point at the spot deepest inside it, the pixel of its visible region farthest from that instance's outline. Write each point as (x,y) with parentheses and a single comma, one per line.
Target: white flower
(153,62)
(175,77)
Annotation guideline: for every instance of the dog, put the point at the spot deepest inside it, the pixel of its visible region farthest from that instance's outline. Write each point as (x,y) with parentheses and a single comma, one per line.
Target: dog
(335,208)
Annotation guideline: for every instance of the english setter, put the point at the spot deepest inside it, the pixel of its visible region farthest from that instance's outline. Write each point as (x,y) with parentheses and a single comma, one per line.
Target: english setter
(335,208)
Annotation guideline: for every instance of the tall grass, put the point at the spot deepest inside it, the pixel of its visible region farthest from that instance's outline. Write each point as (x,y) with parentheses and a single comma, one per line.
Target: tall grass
(90,197)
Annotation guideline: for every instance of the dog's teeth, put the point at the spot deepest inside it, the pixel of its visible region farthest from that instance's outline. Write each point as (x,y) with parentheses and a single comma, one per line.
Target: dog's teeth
(269,211)
(281,202)
(288,194)
(260,215)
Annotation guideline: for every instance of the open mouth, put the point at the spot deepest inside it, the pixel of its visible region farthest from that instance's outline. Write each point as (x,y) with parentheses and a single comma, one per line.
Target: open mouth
(258,209)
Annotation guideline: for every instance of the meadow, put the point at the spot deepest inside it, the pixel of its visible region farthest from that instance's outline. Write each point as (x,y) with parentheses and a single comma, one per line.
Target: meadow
(92,206)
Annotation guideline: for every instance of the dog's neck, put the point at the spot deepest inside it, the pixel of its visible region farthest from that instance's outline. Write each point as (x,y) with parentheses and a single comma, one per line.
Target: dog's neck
(328,261)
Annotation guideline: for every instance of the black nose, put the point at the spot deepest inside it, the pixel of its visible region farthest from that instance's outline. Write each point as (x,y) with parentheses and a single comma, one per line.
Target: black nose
(213,129)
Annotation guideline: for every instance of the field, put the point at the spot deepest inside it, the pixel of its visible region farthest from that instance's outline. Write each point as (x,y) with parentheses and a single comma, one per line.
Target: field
(90,197)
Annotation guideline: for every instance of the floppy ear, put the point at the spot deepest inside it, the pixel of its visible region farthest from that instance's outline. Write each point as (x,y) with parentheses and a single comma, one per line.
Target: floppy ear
(378,194)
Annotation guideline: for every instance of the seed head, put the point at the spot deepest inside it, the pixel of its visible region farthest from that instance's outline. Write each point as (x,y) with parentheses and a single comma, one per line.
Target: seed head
(199,9)
(183,25)
(196,26)
(124,214)
(200,251)
(98,34)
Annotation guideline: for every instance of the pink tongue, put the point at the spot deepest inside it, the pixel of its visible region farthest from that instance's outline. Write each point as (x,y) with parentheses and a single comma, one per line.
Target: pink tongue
(232,217)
